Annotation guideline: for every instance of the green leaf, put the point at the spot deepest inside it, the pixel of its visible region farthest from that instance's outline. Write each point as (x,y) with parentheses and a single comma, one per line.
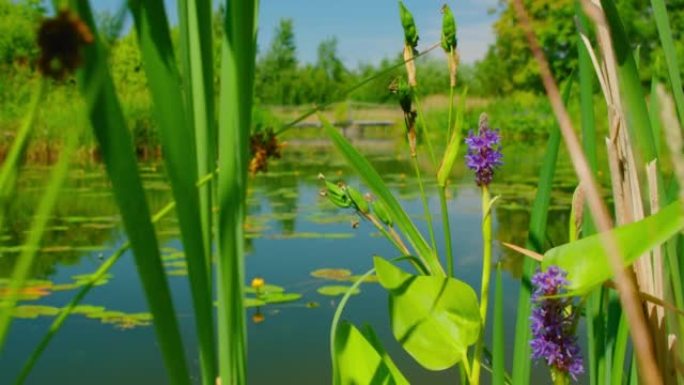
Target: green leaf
(435,319)
(280,297)
(586,261)
(359,362)
(373,180)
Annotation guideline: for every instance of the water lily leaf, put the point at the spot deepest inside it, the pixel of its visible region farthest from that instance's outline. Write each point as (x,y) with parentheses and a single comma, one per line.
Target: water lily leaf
(87,309)
(34,311)
(177,264)
(280,297)
(253,302)
(84,279)
(434,318)
(376,367)
(65,286)
(266,289)
(333,274)
(586,261)
(335,290)
(177,272)
(368,279)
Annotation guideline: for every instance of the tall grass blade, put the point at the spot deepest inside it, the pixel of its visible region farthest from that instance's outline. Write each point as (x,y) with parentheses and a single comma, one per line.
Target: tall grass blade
(631,90)
(594,308)
(199,75)
(376,184)
(40,220)
(10,165)
(181,163)
(499,342)
(665,33)
(535,241)
(119,158)
(237,81)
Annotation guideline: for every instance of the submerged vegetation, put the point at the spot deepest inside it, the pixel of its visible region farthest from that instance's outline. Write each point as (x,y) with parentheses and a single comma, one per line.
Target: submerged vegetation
(599,303)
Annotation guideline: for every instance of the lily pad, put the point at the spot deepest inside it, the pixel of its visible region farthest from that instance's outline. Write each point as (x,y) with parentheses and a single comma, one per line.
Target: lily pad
(84,279)
(34,311)
(280,297)
(266,289)
(253,302)
(332,274)
(335,290)
(177,272)
(88,309)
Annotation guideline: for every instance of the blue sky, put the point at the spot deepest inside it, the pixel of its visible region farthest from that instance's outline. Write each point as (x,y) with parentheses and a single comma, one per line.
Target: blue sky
(366,30)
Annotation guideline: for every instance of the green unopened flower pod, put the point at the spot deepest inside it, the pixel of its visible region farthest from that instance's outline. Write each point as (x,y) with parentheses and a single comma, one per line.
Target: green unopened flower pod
(380,211)
(337,195)
(358,200)
(448,29)
(410,30)
(452,148)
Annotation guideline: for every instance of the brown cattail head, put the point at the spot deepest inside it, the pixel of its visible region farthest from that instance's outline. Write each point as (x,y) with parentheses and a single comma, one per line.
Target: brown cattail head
(60,40)
(264,145)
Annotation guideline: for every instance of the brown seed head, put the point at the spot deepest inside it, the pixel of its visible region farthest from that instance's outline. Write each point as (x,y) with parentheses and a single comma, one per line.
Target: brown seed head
(60,39)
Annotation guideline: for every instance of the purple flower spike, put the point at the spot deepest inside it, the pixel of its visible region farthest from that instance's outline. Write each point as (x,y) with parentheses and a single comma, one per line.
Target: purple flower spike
(553,326)
(484,152)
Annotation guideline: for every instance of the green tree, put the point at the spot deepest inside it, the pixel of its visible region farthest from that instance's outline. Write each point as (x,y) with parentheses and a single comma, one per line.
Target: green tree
(18,24)
(276,70)
(509,64)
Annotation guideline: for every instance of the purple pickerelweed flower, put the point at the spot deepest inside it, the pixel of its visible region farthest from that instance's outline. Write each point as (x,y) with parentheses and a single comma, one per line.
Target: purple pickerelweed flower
(553,324)
(484,152)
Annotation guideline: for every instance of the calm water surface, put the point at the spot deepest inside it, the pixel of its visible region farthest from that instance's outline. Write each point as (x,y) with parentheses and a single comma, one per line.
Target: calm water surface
(292,231)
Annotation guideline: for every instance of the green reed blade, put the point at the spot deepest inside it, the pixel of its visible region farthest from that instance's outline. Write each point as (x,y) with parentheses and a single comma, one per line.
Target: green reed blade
(631,90)
(654,110)
(40,220)
(665,33)
(371,177)
(10,165)
(237,80)
(594,308)
(498,361)
(118,156)
(201,80)
(535,241)
(181,164)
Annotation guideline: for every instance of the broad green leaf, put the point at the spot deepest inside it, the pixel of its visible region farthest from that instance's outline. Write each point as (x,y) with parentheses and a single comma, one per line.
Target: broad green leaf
(359,362)
(434,318)
(586,261)
(280,297)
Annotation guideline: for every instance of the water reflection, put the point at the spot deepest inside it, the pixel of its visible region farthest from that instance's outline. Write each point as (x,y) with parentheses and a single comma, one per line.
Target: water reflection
(291,232)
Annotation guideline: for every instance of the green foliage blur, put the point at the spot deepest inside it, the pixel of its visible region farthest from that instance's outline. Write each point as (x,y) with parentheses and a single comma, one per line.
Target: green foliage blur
(509,66)
(506,79)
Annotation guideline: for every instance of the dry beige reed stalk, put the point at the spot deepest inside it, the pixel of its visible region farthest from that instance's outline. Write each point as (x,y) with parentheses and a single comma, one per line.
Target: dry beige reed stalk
(626,288)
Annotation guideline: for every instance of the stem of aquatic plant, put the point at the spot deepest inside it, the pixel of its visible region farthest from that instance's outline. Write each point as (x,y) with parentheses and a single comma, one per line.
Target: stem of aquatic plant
(451,105)
(392,237)
(486,272)
(349,90)
(447,230)
(423,199)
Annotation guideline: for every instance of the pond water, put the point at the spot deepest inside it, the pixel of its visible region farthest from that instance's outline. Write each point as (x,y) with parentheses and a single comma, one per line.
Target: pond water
(291,232)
